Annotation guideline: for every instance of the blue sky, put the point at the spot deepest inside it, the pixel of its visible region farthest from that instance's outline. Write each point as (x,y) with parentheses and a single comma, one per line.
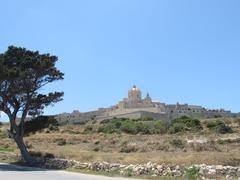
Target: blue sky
(179,51)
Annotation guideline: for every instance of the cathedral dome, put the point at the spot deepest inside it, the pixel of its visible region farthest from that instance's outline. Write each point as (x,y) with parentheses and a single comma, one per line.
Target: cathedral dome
(135,88)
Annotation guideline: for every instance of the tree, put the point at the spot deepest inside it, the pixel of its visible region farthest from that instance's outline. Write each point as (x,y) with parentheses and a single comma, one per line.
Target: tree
(23,73)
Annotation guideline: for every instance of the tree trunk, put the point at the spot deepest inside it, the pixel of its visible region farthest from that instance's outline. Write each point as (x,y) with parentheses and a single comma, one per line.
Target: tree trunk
(24,152)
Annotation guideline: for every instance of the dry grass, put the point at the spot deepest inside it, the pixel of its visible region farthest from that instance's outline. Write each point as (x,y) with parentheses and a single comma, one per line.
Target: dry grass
(141,148)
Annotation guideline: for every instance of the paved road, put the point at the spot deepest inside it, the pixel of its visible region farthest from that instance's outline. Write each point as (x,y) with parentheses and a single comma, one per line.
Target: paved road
(12,172)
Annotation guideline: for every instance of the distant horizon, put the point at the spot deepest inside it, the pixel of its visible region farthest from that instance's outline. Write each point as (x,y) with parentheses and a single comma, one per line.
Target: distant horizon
(143,95)
(178,51)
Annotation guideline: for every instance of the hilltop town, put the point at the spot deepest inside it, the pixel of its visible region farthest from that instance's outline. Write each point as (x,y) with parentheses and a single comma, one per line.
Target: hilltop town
(136,107)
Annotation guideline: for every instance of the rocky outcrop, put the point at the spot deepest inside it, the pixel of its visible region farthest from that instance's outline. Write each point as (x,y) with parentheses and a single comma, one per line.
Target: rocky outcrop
(150,168)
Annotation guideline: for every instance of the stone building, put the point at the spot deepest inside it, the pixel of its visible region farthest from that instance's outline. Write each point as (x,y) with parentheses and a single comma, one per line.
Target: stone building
(134,107)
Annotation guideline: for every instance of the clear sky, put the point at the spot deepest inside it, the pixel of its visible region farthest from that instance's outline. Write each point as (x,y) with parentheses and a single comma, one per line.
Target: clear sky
(179,51)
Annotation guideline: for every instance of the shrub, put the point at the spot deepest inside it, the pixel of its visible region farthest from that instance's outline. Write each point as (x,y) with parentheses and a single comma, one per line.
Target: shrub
(128,149)
(108,128)
(97,142)
(80,122)
(178,143)
(219,127)
(221,141)
(60,142)
(39,124)
(96,149)
(94,121)
(191,124)
(88,129)
(53,127)
(129,173)
(184,124)
(176,128)
(147,118)
(192,173)
(132,127)
(160,127)
(217,116)
(85,141)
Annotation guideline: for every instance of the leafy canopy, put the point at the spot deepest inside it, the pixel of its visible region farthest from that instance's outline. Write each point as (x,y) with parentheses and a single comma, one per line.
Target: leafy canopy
(22,74)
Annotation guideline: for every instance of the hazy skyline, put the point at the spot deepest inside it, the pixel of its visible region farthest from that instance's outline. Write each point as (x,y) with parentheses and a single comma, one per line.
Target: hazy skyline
(178,51)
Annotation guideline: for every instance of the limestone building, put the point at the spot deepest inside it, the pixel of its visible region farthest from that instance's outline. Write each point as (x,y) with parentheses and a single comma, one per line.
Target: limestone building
(134,107)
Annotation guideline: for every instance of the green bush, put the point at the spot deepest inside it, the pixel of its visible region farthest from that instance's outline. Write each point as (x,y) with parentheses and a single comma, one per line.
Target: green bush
(159,127)
(192,173)
(6,149)
(176,128)
(219,127)
(178,143)
(109,128)
(128,149)
(132,127)
(53,127)
(184,124)
(39,124)
(147,118)
(149,127)
(191,124)
(221,141)
(217,116)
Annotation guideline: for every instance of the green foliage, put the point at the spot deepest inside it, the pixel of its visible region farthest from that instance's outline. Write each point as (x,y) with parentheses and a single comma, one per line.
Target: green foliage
(228,141)
(147,118)
(192,173)
(217,116)
(176,128)
(132,127)
(53,127)
(178,143)
(221,141)
(129,173)
(6,149)
(219,127)
(22,74)
(40,123)
(128,149)
(149,127)
(184,124)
